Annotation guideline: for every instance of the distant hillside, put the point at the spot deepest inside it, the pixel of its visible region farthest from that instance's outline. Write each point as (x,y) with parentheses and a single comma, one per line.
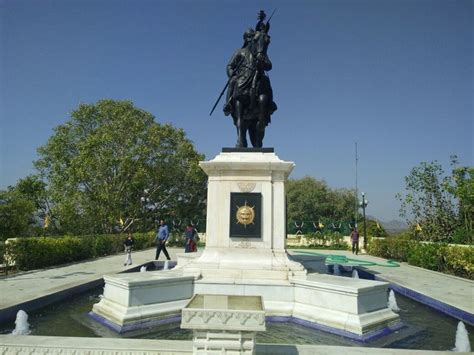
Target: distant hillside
(394,226)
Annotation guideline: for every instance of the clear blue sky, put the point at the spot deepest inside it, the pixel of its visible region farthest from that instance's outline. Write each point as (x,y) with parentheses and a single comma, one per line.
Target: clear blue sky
(394,75)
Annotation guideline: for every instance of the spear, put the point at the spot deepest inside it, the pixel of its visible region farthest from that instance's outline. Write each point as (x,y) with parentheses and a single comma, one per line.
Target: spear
(225,87)
(220,96)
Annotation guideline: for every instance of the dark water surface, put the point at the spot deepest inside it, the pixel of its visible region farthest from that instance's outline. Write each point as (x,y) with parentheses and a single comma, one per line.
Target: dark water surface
(424,328)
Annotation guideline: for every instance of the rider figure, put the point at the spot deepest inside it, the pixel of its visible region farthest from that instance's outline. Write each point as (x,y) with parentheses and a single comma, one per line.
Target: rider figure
(237,66)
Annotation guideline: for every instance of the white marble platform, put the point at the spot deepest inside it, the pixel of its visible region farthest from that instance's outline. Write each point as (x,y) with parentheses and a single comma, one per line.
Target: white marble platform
(248,266)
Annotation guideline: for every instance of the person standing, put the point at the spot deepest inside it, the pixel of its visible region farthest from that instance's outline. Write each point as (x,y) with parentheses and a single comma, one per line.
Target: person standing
(128,245)
(161,238)
(190,236)
(355,241)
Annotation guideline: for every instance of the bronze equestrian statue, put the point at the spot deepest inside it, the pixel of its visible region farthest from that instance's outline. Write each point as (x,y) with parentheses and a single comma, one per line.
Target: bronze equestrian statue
(249,93)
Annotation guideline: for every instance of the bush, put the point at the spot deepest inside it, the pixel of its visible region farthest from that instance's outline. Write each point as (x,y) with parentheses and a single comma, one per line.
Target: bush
(460,261)
(426,255)
(455,260)
(462,236)
(34,253)
(327,241)
(2,252)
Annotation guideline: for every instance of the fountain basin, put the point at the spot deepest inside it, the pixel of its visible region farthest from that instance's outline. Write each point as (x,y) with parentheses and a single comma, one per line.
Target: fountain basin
(245,256)
(354,306)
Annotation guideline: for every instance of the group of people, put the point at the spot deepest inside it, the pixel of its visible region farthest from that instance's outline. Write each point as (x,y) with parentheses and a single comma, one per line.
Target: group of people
(191,239)
(162,235)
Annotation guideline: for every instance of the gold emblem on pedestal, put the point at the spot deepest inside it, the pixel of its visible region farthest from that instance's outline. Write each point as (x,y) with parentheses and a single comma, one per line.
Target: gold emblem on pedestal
(245,214)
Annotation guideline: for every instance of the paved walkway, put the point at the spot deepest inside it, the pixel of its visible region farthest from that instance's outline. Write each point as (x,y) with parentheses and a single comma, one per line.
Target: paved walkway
(450,290)
(104,346)
(33,289)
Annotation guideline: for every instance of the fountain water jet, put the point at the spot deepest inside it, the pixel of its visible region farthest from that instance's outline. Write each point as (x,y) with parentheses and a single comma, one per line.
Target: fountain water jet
(392,302)
(143,268)
(21,324)
(355,274)
(166,265)
(337,270)
(462,343)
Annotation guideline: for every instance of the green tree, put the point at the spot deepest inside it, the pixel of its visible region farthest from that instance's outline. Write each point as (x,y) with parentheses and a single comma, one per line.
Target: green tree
(16,215)
(461,185)
(101,162)
(309,199)
(429,202)
(33,189)
(374,229)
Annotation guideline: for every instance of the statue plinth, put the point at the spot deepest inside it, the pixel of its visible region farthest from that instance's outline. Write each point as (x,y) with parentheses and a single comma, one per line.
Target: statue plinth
(246,217)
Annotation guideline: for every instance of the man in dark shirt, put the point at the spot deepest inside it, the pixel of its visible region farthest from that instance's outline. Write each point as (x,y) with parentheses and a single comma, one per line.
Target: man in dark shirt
(355,241)
(161,238)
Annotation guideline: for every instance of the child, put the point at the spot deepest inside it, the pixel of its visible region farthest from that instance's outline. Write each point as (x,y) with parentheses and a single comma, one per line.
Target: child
(128,244)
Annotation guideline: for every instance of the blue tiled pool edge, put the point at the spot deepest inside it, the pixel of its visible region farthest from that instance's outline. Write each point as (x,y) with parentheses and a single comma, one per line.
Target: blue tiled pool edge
(135,326)
(426,300)
(364,338)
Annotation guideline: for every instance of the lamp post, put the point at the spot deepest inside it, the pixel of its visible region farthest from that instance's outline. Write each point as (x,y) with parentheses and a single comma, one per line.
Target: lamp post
(144,200)
(364,204)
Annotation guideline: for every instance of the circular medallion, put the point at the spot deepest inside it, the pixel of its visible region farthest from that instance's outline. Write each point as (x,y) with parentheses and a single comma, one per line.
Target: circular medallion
(245,215)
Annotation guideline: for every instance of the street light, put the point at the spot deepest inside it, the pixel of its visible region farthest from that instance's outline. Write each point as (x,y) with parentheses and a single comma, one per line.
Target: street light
(364,204)
(144,200)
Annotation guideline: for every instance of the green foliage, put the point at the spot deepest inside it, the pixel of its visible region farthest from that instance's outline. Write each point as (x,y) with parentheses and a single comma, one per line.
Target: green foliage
(426,255)
(443,206)
(34,253)
(33,189)
(2,252)
(311,200)
(463,235)
(374,229)
(462,187)
(460,261)
(101,163)
(16,215)
(330,240)
(456,260)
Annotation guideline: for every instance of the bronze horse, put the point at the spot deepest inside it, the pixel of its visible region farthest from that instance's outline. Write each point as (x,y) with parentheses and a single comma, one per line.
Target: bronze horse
(250,95)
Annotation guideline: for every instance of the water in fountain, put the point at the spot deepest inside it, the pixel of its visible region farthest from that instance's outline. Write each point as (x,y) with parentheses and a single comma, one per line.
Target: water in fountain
(462,343)
(21,324)
(337,270)
(143,268)
(392,302)
(166,266)
(355,274)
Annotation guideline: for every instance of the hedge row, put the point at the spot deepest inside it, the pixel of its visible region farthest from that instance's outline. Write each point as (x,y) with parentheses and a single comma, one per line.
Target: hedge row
(455,260)
(2,251)
(331,240)
(39,252)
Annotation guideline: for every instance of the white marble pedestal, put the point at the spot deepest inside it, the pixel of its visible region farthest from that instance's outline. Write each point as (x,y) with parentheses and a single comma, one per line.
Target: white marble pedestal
(224,324)
(262,258)
(240,266)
